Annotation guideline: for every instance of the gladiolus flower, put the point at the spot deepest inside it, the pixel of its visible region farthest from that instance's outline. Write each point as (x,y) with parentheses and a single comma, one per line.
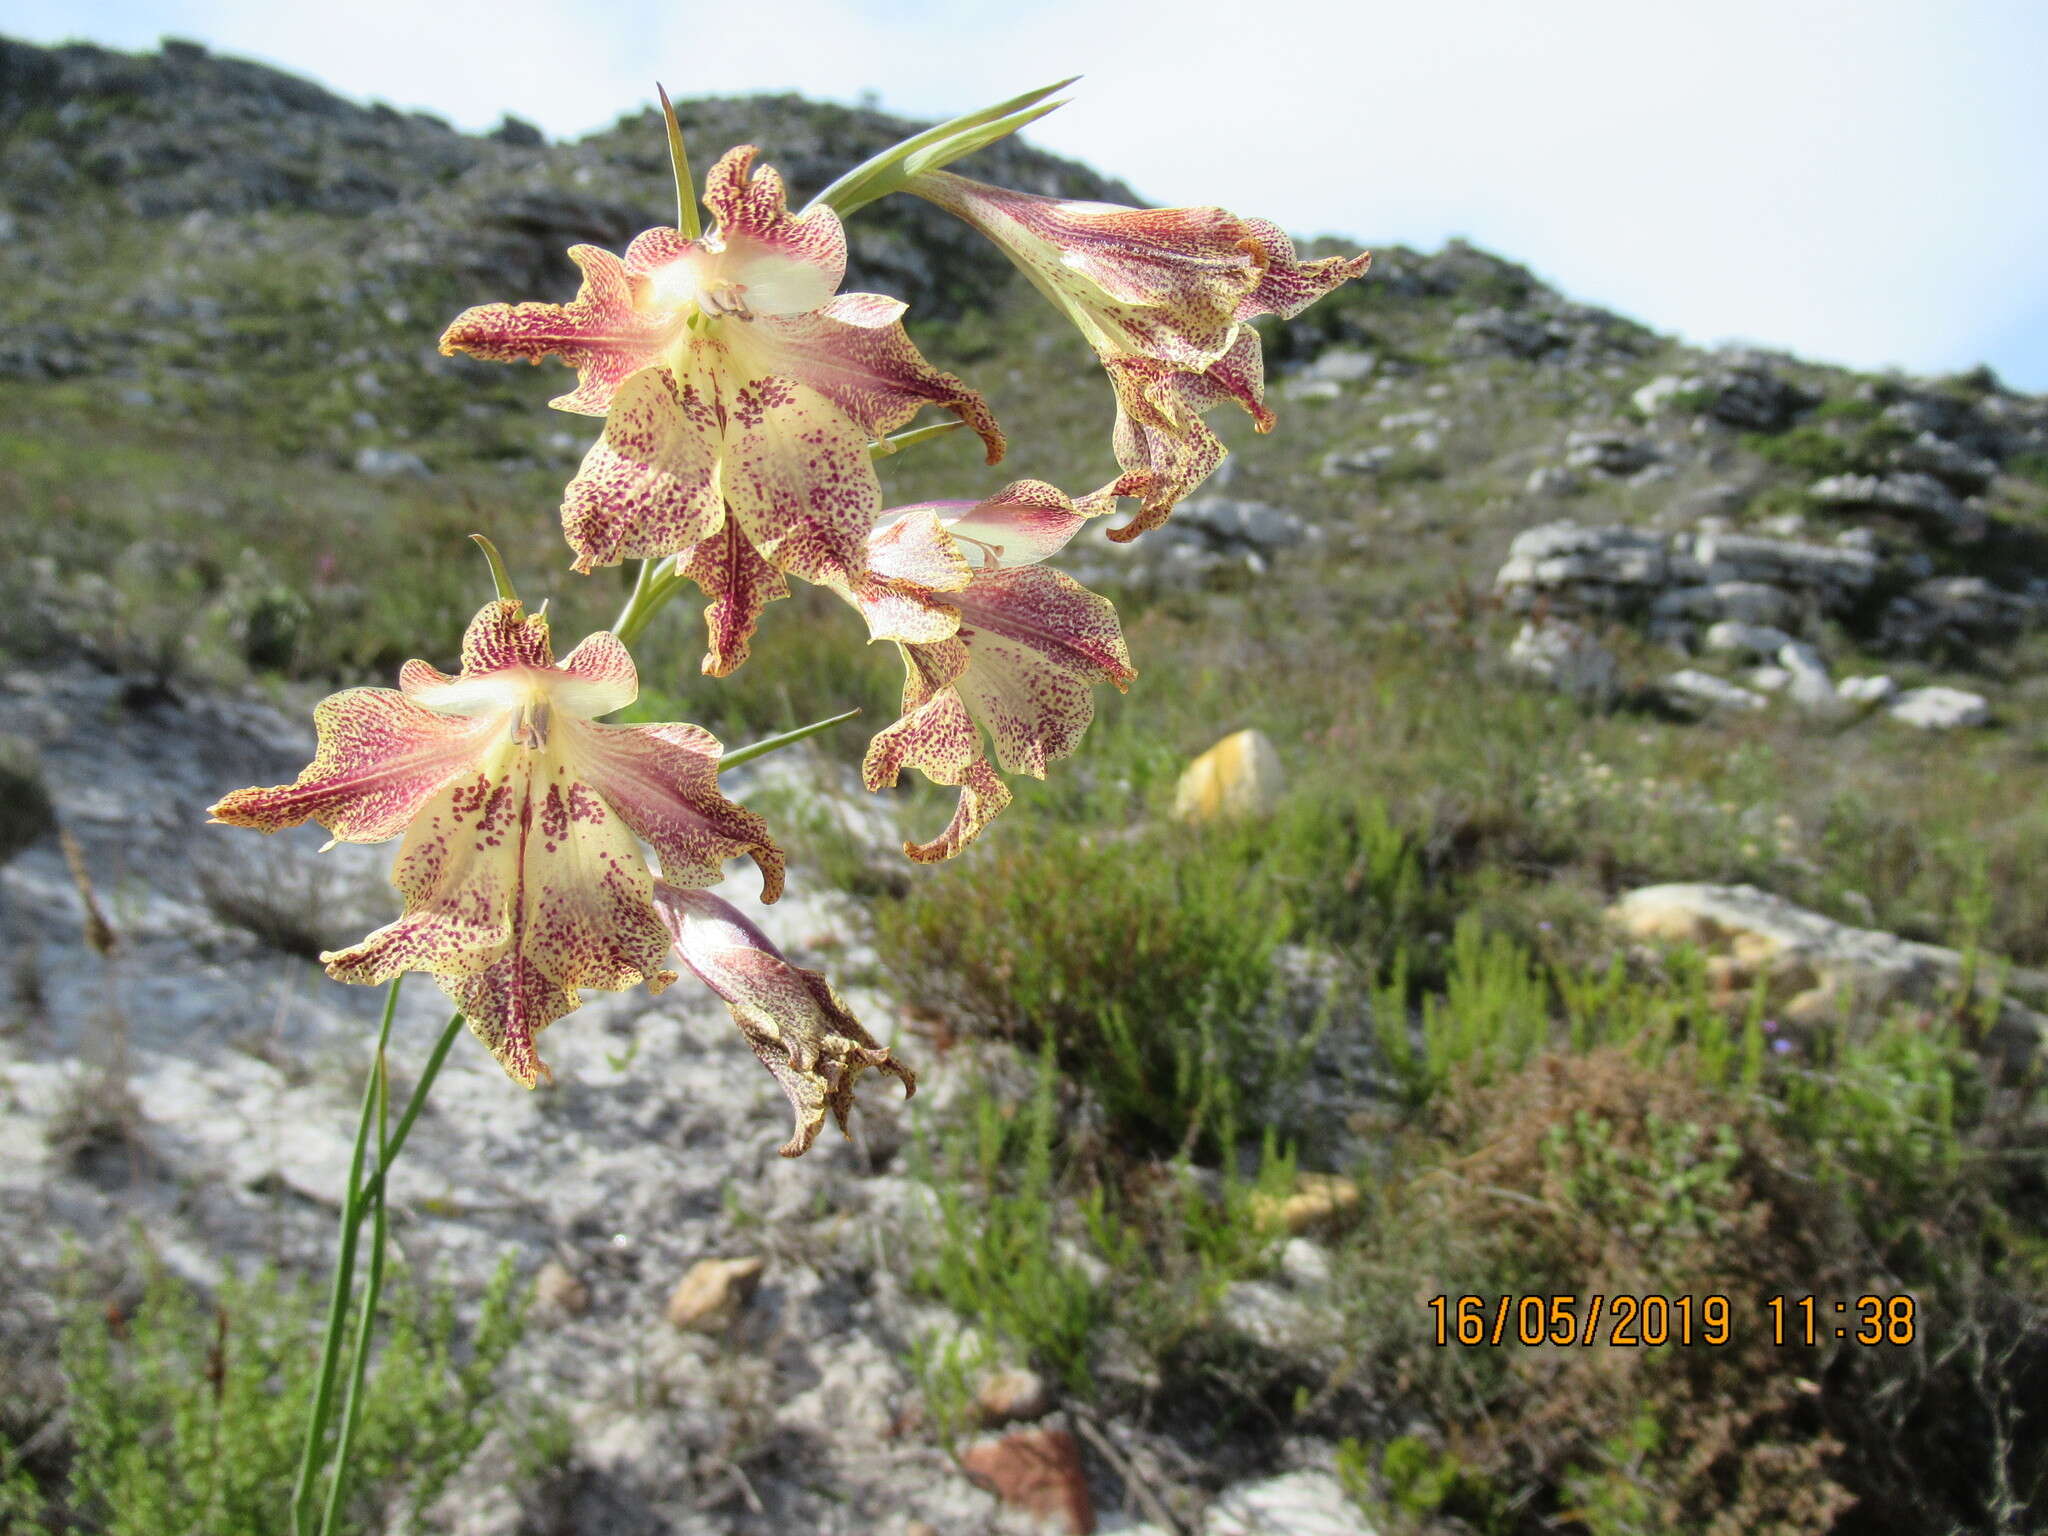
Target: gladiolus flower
(992,642)
(815,1049)
(1164,296)
(521,867)
(740,398)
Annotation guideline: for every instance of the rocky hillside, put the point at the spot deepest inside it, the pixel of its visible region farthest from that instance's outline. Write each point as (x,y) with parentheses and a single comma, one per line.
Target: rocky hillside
(1653,902)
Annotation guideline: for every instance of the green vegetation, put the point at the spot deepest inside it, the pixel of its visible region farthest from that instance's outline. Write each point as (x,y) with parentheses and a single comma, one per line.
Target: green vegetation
(185,1412)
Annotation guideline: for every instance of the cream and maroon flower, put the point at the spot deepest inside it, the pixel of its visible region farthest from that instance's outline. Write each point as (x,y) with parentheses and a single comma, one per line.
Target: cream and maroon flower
(521,868)
(741,393)
(1165,297)
(797,1025)
(992,642)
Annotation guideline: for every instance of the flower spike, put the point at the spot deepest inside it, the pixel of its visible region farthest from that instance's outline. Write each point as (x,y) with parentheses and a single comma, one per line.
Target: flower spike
(892,169)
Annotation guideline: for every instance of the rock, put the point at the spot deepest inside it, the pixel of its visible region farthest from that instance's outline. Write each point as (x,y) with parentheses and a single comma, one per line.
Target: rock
(1341,365)
(1038,1471)
(1317,1199)
(1745,602)
(556,1288)
(1520,335)
(1767,679)
(1608,452)
(1958,612)
(1359,461)
(1917,497)
(1562,654)
(1745,639)
(1704,689)
(386,462)
(1306,1264)
(1233,526)
(1940,709)
(1807,681)
(1587,567)
(1830,572)
(1270,1317)
(1302,389)
(1012,1396)
(1238,777)
(1552,480)
(1812,967)
(1748,396)
(1659,393)
(1297,1504)
(26,814)
(712,1292)
(1874,689)
(1961,470)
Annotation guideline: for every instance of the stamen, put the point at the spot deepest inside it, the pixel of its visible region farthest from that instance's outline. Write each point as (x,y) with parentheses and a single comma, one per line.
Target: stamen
(725,301)
(992,554)
(530,729)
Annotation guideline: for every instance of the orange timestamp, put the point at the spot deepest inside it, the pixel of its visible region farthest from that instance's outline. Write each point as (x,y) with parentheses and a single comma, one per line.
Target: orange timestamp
(1653,1321)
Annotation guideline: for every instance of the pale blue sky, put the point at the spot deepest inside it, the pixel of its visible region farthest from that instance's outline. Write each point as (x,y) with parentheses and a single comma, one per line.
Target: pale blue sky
(1862,181)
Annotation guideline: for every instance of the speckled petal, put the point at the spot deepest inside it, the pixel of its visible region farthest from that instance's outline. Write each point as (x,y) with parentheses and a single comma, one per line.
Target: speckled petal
(499,636)
(912,561)
(751,209)
(1165,448)
(737,584)
(938,738)
(663,781)
(380,758)
(649,486)
(597,677)
(1022,524)
(519,889)
(798,478)
(602,333)
(855,352)
(1037,642)
(1164,283)
(1288,285)
(803,1034)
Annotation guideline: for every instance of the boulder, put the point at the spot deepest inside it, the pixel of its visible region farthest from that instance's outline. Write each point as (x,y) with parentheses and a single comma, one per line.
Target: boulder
(1745,639)
(1813,968)
(1874,689)
(1296,1504)
(1919,498)
(1807,683)
(1608,452)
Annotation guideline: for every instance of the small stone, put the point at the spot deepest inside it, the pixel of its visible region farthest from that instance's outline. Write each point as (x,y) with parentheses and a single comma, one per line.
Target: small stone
(1768,679)
(556,1288)
(1038,1471)
(386,462)
(1238,777)
(1312,389)
(713,1291)
(1013,1396)
(1305,1263)
(1809,685)
(1874,689)
(1317,1199)
(1940,709)
(1342,365)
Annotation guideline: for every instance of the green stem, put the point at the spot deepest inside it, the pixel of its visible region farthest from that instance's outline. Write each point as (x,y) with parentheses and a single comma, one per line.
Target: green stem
(310,1458)
(366,1316)
(373,1187)
(654,585)
(762,748)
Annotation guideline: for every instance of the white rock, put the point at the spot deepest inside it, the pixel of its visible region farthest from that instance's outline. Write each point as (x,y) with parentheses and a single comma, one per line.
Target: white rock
(1940,709)
(1298,1504)
(1312,389)
(1752,639)
(1770,679)
(1689,686)
(1341,365)
(1809,685)
(1560,653)
(1656,395)
(385,462)
(1874,689)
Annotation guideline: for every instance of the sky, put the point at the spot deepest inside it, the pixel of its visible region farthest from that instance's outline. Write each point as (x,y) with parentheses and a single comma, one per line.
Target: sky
(1862,183)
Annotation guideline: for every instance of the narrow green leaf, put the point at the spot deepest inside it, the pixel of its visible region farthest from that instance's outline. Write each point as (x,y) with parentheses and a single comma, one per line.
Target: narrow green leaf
(499,578)
(679,160)
(776,743)
(888,171)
